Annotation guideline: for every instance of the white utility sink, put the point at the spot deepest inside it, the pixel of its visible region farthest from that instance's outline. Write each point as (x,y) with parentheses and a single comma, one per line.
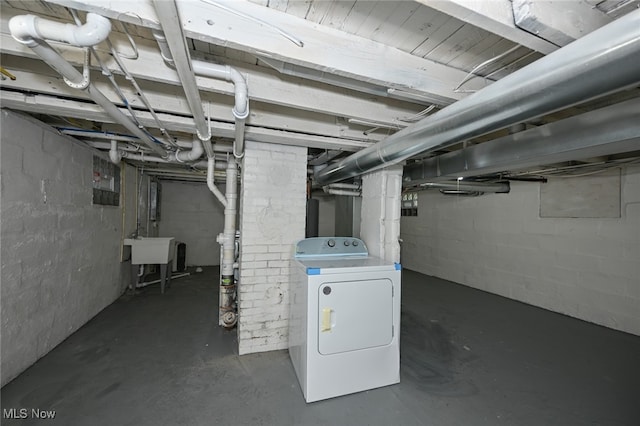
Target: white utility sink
(147,251)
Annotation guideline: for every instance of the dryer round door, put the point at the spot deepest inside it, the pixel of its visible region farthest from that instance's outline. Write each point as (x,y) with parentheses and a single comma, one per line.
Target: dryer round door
(354,315)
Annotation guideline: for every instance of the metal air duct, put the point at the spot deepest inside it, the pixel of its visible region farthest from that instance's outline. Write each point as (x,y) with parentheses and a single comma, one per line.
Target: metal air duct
(601,62)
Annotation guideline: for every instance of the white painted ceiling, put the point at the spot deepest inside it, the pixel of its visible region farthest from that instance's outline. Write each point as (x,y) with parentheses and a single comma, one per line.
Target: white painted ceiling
(335,76)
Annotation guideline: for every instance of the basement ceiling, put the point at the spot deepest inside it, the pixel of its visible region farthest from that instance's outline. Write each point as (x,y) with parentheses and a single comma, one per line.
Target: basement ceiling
(334,76)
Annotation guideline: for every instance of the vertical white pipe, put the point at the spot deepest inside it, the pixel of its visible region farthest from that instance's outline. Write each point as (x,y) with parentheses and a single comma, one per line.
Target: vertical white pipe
(238,144)
(229,232)
(227,314)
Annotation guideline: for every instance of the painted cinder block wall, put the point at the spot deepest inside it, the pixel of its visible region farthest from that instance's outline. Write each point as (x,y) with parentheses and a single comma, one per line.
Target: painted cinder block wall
(327,219)
(587,268)
(191,214)
(272,220)
(60,253)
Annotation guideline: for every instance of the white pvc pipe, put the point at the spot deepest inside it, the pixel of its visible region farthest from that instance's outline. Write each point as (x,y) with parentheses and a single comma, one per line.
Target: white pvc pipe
(227,240)
(354,186)
(173,277)
(169,18)
(194,154)
(92,134)
(27,31)
(229,233)
(241,91)
(114,155)
(211,165)
(227,73)
(342,192)
(94,31)
(238,145)
(222,72)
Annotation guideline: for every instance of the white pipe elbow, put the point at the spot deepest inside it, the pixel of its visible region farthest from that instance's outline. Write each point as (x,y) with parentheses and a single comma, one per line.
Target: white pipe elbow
(196,152)
(23,29)
(26,28)
(211,184)
(114,155)
(94,31)
(241,108)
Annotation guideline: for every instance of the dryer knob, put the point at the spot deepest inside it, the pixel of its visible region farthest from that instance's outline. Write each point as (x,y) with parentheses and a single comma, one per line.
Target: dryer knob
(346,243)
(355,243)
(331,243)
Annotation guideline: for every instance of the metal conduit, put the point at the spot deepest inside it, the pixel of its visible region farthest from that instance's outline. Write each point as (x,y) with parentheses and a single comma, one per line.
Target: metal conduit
(599,63)
(499,187)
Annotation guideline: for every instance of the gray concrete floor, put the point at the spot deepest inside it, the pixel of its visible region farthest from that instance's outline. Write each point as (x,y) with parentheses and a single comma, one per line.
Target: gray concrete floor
(468,358)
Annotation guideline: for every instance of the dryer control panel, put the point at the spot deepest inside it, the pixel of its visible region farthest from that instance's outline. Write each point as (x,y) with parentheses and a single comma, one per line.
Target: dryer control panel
(331,246)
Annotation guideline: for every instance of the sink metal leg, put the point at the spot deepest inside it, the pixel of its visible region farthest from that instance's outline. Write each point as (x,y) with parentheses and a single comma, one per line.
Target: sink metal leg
(163,276)
(134,277)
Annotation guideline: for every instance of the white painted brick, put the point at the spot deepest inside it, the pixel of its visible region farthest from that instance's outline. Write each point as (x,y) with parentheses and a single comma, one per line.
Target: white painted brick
(246,248)
(273,206)
(380,227)
(249,296)
(260,286)
(254,265)
(248,273)
(267,256)
(277,279)
(245,281)
(278,263)
(281,248)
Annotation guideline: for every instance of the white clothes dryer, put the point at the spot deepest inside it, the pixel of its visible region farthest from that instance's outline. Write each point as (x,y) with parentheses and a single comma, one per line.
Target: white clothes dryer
(344,323)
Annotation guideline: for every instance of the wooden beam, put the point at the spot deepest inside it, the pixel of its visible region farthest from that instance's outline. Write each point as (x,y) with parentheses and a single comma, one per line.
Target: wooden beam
(34,76)
(265,85)
(324,49)
(495,16)
(558,22)
(44,104)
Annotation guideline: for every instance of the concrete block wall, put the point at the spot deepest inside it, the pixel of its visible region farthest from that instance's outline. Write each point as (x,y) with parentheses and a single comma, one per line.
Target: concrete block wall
(588,268)
(60,253)
(192,214)
(380,212)
(327,220)
(272,220)
(348,212)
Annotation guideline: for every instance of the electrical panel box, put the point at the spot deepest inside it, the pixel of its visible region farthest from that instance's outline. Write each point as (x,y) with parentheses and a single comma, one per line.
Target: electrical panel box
(106,182)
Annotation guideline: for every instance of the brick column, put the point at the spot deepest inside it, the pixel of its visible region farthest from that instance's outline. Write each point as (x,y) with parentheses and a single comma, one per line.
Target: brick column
(380,220)
(272,220)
